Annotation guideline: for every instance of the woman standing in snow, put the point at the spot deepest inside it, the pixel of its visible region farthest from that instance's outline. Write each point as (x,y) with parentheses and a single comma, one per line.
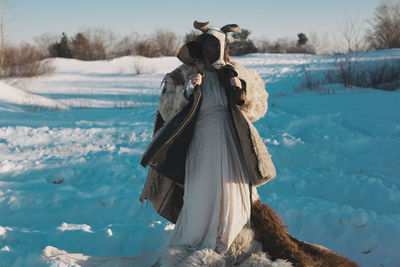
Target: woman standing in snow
(207,148)
(206,161)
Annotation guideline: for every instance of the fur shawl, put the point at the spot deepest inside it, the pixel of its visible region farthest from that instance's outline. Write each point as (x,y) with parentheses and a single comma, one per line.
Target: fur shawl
(172,100)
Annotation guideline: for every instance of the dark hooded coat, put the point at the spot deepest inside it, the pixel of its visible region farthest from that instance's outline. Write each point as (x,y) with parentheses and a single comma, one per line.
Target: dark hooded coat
(166,154)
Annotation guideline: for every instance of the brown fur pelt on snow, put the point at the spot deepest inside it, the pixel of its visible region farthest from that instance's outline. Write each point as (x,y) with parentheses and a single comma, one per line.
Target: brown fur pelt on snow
(279,244)
(245,251)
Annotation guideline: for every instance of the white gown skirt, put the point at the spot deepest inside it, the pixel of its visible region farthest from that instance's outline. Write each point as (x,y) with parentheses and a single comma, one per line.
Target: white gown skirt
(217,199)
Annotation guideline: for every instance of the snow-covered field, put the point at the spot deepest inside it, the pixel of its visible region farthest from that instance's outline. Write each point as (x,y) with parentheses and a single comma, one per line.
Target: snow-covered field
(70,144)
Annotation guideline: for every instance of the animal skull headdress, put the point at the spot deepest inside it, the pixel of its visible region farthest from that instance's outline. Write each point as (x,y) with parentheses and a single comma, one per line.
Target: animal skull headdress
(211,43)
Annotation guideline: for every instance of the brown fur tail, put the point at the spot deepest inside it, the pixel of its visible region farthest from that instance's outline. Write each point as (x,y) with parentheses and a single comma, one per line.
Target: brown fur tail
(279,244)
(323,256)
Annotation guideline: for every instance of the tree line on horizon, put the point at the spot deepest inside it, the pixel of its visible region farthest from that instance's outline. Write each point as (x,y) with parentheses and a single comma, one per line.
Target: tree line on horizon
(101,44)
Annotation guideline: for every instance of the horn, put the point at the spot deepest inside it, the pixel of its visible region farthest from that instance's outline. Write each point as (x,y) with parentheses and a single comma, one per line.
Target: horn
(230,28)
(202,26)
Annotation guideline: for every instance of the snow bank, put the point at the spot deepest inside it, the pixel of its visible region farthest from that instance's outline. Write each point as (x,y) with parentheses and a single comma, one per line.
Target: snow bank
(122,65)
(14,95)
(74,227)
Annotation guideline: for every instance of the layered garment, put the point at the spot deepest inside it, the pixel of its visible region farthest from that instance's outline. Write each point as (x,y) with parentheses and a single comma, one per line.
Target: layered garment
(217,196)
(217,203)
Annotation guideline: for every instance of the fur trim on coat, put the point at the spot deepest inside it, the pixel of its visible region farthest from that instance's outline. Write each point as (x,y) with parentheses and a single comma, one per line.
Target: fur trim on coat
(172,100)
(255,107)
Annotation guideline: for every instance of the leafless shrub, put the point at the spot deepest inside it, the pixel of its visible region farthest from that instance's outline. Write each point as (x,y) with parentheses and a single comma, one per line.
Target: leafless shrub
(384,32)
(161,43)
(166,42)
(384,75)
(283,46)
(348,69)
(262,45)
(311,81)
(322,44)
(126,45)
(24,61)
(123,102)
(146,48)
(4,21)
(44,41)
(348,50)
(2,45)
(102,42)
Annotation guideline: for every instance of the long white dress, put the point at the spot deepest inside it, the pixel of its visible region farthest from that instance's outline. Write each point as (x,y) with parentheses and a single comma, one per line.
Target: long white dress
(217,196)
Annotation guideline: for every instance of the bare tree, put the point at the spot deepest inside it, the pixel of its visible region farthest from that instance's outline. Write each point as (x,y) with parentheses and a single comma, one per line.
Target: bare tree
(263,45)
(166,42)
(126,45)
(146,48)
(351,36)
(102,42)
(348,49)
(385,26)
(321,43)
(44,41)
(5,21)
(2,37)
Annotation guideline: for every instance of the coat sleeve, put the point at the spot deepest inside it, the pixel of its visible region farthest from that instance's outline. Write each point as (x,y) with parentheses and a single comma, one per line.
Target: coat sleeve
(256,97)
(172,99)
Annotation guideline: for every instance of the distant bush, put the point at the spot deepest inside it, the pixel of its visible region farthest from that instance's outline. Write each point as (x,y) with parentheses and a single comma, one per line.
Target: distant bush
(24,61)
(101,43)
(286,45)
(384,75)
(242,44)
(311,80)
(161,43)
(125,46)
(146,48)
(166,42)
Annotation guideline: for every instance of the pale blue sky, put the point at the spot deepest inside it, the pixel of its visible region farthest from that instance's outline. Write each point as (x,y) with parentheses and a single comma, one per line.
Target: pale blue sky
(265,18)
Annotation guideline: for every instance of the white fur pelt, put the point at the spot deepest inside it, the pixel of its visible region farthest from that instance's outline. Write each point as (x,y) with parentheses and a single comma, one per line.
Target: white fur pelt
(245,251)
